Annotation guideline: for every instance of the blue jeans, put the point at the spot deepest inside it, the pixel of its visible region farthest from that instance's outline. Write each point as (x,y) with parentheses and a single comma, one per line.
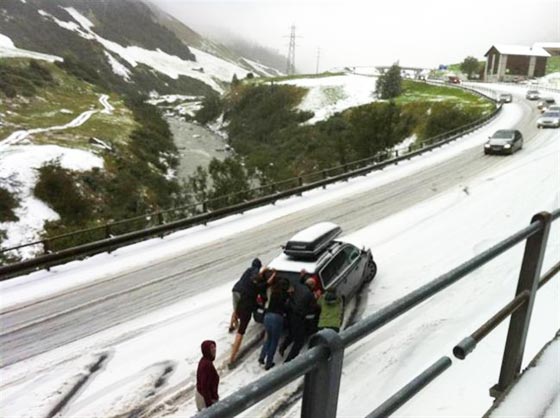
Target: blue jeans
(274,325)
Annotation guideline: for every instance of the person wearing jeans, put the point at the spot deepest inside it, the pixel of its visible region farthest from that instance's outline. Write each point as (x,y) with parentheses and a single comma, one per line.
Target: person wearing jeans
(274,319)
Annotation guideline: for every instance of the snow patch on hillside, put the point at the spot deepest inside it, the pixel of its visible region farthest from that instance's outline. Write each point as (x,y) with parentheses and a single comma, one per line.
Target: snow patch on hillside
(9,50)
(117,67)
(208,68)
(330,95)
(19,174)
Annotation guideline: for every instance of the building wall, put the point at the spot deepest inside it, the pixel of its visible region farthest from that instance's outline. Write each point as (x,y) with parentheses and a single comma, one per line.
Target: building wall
(518,65)
(540,67)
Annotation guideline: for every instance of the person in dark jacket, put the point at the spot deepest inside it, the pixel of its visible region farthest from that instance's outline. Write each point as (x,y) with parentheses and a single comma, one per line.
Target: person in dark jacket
(239,287)
(245,308)
(207,378)
(301,305)
(275,312)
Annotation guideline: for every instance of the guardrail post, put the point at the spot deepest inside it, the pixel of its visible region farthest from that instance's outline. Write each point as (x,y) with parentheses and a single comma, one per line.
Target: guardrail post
(46,246)
(325,176)
(529,277)
(322,384)
(160,218)
(107,231)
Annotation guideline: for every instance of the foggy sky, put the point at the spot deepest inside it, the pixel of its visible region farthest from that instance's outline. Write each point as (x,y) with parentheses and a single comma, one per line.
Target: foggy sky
(364,33)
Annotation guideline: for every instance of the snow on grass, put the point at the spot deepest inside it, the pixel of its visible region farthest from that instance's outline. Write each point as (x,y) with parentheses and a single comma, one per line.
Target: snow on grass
(18,174)
(540,384)
(267,71)
(9,50)
(29,287)
(117,67)
(329,95)
(19,136)
(208,68)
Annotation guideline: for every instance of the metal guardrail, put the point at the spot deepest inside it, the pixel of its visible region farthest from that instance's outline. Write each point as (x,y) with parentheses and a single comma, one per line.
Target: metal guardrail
(297,186)
(322,363)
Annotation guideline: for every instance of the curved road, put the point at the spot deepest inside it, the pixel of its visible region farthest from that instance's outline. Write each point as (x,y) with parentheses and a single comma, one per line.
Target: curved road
(58,320)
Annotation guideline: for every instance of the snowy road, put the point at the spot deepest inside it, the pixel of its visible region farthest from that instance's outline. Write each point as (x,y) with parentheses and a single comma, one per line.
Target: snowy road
(437,200)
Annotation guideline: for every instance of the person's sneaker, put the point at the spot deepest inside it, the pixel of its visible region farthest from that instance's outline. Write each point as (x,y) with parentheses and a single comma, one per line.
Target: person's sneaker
(268,367)
(230,366)
(231,329)
(261,361)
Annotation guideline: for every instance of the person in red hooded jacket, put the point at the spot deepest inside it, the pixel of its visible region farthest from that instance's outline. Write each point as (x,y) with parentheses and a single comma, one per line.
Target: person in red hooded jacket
(207,378)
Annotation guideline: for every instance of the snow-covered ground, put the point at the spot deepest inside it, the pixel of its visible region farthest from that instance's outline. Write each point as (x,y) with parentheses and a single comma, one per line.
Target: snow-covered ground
(411,247)
(19,166)
(19,163)
(540,383)
(207,68)
(329,95)
(9,50)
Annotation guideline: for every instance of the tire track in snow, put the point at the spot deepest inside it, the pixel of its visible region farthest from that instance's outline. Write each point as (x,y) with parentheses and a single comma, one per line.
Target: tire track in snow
(182,392)
(19,136)
(91,371)
(121,399)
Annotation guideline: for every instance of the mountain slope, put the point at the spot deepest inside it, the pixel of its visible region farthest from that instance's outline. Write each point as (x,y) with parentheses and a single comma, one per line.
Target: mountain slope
(121,43)
(193,39)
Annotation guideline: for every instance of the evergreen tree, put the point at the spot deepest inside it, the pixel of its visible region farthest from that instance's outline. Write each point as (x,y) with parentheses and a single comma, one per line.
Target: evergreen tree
(234,81)
(389,85)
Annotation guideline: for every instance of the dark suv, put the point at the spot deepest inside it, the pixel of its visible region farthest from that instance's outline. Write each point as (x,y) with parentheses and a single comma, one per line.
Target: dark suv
(335,264)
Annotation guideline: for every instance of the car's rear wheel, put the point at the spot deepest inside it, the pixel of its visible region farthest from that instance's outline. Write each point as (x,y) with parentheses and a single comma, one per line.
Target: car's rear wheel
(371,270)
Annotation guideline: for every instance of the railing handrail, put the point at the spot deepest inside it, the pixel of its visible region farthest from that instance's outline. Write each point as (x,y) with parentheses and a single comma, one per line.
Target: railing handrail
(254,392)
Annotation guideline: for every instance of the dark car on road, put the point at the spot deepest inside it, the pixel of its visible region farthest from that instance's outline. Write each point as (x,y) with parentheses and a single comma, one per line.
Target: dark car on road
(334,264)
(504,141)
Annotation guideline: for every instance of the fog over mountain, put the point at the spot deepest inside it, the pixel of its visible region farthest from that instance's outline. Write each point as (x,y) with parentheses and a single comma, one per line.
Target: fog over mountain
(359,32)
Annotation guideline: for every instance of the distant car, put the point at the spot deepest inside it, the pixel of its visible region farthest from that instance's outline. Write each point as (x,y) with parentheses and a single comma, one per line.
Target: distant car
(553,108)
(545,103)
(453,79)
(550,119)
(505,98)
(335,264)
(504,141)
(532,95)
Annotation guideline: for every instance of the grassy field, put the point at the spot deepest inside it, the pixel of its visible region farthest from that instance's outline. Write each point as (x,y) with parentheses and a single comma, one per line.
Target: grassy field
(414,91)
(59,104)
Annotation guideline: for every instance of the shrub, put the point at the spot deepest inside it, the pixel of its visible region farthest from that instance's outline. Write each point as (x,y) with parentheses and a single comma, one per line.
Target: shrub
(212,107)
(7,205)
(57,187)
(23,80)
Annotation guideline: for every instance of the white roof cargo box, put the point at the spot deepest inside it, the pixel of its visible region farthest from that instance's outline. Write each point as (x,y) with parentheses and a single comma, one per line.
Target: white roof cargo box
(310,242)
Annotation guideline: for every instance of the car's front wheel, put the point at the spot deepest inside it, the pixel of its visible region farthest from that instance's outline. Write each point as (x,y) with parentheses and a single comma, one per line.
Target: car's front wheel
(371,270)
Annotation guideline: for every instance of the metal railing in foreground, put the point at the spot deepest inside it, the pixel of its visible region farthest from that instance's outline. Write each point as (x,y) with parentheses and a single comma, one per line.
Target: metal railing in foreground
(322,363)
